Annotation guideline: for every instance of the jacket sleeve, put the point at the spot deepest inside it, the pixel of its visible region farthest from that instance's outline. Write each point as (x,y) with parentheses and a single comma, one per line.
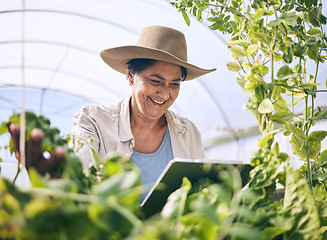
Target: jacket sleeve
(85,135)
(194,141)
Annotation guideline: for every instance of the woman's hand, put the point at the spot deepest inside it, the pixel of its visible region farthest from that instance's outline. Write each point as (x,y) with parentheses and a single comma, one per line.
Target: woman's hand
(33,152)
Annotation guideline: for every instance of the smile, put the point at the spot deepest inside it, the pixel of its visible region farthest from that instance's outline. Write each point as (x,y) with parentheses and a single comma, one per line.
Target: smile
(157,102)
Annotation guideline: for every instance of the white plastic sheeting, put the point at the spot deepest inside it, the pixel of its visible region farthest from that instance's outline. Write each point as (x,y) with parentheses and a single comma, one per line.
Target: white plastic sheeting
(53,47)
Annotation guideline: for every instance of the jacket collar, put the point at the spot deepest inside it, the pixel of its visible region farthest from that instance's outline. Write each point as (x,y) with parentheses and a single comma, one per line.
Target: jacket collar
(174,123)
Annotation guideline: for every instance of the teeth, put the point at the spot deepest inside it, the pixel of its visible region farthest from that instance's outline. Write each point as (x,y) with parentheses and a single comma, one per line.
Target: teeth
(157,101)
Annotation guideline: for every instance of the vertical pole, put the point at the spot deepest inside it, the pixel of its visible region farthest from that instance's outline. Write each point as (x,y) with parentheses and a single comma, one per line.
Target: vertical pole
(22,112)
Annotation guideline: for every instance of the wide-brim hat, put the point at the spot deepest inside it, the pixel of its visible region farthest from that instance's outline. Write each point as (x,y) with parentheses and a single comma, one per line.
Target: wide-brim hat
(155,42)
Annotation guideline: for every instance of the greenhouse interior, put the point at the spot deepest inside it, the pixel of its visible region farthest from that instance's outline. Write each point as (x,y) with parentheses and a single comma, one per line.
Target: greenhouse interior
(50,65)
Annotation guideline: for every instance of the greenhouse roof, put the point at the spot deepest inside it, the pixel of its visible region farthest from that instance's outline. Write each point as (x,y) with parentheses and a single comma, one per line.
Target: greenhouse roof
(52,48)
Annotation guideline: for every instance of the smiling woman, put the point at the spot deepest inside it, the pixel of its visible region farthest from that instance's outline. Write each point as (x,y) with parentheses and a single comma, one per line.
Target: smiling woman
(142,126)
(154,90)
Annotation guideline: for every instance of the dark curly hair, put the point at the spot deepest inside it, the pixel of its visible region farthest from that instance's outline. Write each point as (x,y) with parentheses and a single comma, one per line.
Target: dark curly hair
(139,64)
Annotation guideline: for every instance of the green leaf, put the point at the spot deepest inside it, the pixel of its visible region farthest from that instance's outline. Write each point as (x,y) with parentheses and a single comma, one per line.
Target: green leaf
(186,18)
(300,203)
(319,115)
(263,37)
(36,179)
(313,51)
(284,71)
(298,142)
(237,52)
(262,69)
(280,105)
(276,92)
(115,219)
(273,232)
(280,116)
(308,85)
(248,16)
(275,23)
(202,226)
(119,183)
(10,203)
(290,18)
(314,143)
(268,138)
(317,136)
(237,42)
(96,159)
(323,157)
(288,57)
(241,81)
(199,14)
(298,50)
(319,177)
(315,16)
(313,31)
(175,205)
(250,86)
(258,14)
(298,147)
(201,202)
(298,132)
(198,4)
(265,106)
(277,56)
(271,12)
(251,49)
(3,128)
(287,126)
(313,149)
(247,64)
(240,230)
(233,66)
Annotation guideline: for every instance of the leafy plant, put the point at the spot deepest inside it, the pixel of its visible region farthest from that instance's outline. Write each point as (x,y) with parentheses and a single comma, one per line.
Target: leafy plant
(107,205)
(275,45)
(102,203)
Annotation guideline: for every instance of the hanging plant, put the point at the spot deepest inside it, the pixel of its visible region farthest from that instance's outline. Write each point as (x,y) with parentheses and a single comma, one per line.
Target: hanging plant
(278,47)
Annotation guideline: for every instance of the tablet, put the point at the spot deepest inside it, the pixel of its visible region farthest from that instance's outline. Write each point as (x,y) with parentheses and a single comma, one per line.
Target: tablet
(171,179)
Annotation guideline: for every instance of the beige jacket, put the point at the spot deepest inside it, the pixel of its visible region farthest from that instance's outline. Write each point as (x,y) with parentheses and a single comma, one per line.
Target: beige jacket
(110,130)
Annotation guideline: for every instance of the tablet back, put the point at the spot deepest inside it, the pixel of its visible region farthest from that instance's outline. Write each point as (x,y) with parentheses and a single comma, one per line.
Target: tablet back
(172,177)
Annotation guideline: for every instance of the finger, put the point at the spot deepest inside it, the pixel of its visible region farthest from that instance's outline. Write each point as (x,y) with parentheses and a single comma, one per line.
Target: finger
(34,153)
(58,155)
(14,131)
(51,165)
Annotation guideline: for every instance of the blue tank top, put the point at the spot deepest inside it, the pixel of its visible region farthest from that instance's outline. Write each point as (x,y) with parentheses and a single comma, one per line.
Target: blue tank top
(152,164)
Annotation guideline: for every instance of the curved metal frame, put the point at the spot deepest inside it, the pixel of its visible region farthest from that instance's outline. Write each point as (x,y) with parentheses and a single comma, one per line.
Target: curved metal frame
(70,13)
(71,74)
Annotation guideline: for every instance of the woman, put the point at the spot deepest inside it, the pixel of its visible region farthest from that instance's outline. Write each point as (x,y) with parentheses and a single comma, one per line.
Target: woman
(142,126)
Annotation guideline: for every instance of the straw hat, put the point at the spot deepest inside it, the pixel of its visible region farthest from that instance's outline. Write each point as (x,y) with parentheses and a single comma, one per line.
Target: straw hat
(155,42)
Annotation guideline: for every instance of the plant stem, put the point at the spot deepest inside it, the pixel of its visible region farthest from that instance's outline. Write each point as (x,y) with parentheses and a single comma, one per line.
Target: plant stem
(17,173)
(306,132)
(309,170)
(272,55)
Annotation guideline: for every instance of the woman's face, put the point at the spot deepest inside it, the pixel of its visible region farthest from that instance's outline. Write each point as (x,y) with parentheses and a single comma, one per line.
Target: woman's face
(155,89)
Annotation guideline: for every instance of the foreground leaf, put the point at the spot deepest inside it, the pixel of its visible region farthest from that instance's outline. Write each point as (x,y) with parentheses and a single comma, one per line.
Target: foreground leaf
(300,202)
(175,205)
